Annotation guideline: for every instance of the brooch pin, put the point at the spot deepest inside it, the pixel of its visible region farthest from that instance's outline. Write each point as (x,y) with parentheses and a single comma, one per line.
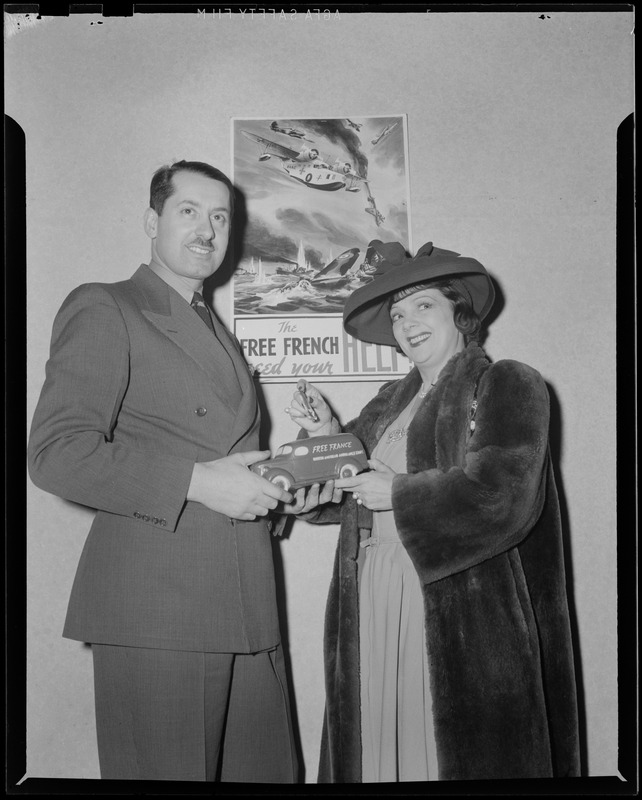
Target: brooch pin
(473,411)
(396,434)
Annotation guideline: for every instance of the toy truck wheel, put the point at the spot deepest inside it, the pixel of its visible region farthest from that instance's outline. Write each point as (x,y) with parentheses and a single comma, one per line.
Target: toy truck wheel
(348,469)
(280,478)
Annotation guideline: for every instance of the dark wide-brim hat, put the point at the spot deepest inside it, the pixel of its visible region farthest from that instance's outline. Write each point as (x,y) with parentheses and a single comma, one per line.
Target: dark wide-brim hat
(366,314)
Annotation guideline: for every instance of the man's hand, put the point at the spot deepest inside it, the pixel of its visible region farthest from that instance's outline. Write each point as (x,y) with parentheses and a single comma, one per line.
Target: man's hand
(315,496)
(229,487)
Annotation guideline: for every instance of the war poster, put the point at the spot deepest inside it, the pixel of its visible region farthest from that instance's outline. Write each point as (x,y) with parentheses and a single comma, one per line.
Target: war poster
(316,193)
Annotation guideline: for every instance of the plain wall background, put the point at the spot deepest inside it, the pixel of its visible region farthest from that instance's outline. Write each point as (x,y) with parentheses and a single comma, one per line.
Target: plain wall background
(512,124)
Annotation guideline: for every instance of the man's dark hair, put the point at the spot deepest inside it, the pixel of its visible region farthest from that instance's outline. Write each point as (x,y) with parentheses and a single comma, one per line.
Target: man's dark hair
(162,185)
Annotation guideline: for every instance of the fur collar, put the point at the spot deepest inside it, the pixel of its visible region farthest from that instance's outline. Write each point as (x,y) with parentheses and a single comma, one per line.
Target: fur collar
(436,411)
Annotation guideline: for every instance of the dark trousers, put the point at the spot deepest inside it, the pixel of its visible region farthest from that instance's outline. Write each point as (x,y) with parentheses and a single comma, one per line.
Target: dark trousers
(175,715)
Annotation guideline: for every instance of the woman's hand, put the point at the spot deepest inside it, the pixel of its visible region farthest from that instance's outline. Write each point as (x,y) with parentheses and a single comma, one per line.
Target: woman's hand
(371,489)
(315,496)
(310,411)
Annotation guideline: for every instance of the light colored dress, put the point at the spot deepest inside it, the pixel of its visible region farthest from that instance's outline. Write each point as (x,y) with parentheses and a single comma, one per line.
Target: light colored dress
(398,741)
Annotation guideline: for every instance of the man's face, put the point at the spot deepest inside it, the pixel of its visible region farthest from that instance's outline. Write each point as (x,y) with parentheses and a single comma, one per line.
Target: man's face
(191,233)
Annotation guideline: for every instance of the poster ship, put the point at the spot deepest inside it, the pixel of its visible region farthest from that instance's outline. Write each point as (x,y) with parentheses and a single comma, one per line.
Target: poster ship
(278,286)
(315,188)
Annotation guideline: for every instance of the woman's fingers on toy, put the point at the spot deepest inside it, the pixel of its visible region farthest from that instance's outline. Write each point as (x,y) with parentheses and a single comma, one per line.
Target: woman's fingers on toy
(352,482)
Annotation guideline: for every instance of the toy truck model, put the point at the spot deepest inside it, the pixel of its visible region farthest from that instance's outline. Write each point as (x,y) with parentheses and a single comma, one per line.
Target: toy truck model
(314,460)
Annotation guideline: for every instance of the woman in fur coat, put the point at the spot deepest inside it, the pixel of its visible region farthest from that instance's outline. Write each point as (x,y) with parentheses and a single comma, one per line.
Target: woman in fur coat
(447,640)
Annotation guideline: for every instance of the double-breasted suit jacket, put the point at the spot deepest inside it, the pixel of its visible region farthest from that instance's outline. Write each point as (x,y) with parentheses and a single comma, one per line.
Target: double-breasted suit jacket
(137,389)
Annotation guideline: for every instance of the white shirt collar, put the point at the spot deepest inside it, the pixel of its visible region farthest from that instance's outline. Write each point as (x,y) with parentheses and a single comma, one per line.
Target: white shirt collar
(174,280)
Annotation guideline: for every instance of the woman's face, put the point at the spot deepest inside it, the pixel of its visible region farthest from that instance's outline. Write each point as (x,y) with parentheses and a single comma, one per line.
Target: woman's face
(425,330)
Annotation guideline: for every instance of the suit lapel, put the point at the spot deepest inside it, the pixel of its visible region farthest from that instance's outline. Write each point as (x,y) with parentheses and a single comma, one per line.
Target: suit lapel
(247,410)
(174,318)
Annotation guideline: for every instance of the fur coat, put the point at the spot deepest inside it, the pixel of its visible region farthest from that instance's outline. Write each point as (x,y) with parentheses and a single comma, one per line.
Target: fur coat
(478,514)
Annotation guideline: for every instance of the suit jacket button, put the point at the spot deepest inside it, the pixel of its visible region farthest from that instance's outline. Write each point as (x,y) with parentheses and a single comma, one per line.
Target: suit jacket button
(136,514)
(146,518)
(201,411)
(163,522)
(155,520)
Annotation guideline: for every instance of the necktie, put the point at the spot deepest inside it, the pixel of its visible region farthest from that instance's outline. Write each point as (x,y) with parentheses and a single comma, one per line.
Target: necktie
(198,304)
(228,375)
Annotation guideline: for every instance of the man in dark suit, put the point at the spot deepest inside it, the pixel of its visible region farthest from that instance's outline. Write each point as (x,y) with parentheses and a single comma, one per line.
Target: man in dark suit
(149,415)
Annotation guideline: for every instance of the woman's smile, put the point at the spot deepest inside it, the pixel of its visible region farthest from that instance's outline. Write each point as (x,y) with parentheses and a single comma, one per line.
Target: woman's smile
(418,338)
